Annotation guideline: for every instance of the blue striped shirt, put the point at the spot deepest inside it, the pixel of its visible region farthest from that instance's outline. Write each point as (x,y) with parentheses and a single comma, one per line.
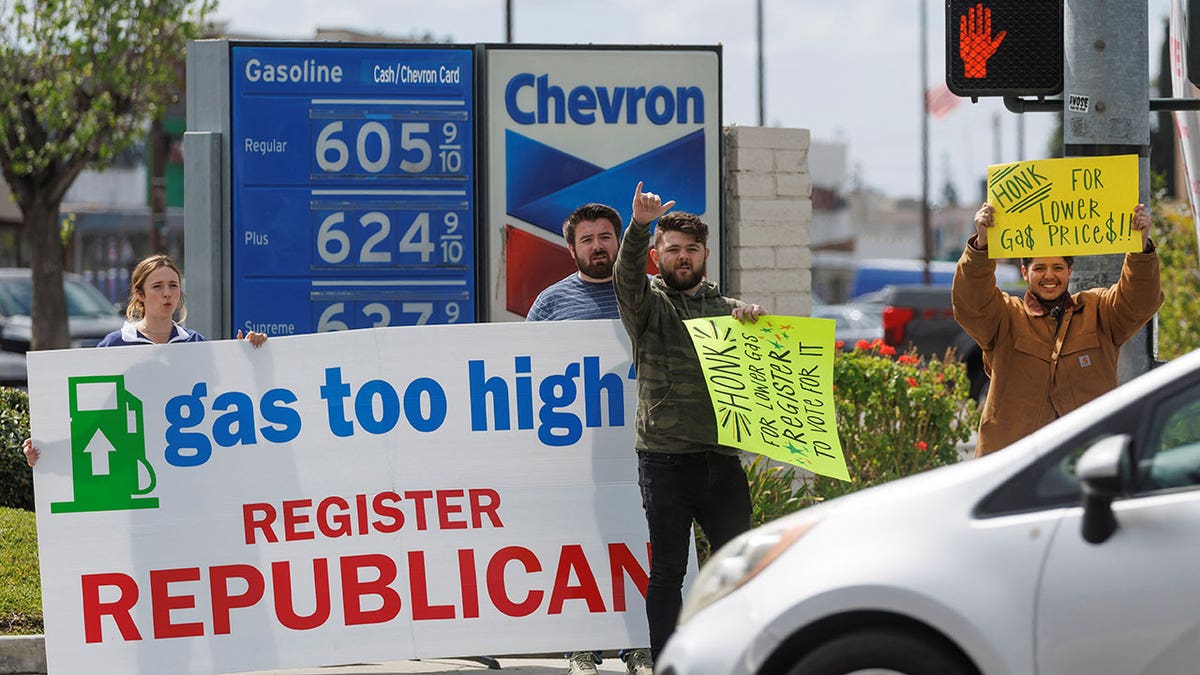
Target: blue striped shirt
(575,299)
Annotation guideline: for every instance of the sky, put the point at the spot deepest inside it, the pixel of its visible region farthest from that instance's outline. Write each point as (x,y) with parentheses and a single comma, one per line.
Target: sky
(847,70)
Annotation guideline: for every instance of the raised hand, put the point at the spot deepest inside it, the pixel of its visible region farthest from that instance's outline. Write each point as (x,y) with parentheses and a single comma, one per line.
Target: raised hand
(1141,222)
(975,42)
(984,218)
(647,206)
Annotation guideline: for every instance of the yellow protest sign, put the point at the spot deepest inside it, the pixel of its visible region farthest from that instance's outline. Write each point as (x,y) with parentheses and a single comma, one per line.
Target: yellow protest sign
(1069,206)
(771,385)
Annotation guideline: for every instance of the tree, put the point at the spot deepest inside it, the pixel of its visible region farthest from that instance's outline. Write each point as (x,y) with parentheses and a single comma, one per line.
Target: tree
(82,77)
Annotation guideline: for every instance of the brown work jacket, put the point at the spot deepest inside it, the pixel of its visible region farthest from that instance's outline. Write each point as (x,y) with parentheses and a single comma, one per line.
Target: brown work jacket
(1041,368)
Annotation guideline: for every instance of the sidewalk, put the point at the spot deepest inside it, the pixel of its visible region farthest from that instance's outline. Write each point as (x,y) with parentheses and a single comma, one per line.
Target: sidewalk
(511,666)
(26,654)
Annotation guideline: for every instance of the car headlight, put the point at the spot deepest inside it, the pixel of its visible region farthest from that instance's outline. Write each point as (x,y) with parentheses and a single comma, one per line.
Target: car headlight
(740,560)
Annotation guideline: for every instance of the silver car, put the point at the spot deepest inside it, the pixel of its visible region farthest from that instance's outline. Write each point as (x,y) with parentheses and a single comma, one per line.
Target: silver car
(90,317)
(853,322)
(1074,550)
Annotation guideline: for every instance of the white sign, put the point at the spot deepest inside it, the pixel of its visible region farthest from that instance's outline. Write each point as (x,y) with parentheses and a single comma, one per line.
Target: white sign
(343,497)
(572,125)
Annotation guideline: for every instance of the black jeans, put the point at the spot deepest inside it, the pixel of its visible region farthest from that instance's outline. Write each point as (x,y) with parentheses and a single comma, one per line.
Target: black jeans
(706,486)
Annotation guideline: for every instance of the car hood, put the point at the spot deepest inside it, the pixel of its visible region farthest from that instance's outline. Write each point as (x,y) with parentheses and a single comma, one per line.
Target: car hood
(85,331)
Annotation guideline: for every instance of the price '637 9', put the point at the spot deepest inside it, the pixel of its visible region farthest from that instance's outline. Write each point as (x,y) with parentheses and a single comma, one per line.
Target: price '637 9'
(381,313)
(389,237)
(387,145)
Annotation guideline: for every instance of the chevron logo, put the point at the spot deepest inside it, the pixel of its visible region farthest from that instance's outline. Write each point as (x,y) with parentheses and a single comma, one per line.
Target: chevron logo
(546,184)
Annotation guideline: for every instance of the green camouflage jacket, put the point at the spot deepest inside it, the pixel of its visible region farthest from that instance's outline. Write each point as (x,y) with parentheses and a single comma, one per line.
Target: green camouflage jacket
(674,412)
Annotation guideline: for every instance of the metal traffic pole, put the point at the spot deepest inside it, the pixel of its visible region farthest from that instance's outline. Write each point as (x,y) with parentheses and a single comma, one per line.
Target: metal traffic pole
(1106,111)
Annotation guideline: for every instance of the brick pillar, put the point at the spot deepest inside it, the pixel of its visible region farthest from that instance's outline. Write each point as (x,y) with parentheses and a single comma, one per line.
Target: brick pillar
(768,217)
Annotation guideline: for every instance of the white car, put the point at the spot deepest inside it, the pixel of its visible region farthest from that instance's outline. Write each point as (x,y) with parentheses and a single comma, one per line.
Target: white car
(995,566)
(852,322)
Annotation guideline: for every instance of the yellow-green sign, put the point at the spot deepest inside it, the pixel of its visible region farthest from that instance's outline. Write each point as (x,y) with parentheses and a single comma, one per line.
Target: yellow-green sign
(1070,206)
(771,385)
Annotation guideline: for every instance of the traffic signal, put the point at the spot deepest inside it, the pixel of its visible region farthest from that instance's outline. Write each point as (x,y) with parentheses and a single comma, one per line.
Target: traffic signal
(1004,47)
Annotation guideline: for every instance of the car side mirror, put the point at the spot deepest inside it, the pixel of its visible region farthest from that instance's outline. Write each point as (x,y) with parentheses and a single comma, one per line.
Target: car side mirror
(1101,471)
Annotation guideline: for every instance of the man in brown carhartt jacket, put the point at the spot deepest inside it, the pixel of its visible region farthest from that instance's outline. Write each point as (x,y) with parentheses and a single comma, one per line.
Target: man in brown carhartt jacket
(1049,352)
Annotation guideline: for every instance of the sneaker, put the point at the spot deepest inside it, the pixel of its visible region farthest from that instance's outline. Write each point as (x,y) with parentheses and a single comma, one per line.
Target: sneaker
(582,663)
(638,662)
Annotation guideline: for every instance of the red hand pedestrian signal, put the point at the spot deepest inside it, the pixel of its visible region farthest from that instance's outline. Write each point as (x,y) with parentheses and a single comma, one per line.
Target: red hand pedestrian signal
(975,42)
(1004,47)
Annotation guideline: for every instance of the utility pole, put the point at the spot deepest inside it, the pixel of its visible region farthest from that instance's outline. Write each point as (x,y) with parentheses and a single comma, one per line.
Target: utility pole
(508,21)
(1106,111)
(926,226)
(157,139)
(758,32)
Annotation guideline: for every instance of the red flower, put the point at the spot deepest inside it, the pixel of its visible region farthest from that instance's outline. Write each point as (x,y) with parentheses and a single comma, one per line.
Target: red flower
(912,381)
(887,350)
(838,344)
(877,342)
(862,344)
(907,359)
(921,445)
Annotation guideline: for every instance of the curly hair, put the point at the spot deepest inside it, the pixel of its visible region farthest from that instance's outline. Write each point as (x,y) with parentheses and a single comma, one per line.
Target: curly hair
(682,221)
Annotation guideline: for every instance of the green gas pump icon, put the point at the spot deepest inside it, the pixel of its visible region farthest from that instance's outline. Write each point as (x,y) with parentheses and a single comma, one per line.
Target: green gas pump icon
(108,448)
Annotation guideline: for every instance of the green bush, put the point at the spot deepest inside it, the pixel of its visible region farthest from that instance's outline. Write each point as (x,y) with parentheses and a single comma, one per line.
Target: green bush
(16,480)
(896,416)
(20,582)
(1179,317)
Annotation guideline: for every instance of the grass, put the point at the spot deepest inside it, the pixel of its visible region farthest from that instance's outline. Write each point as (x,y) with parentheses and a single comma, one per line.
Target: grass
(20,579)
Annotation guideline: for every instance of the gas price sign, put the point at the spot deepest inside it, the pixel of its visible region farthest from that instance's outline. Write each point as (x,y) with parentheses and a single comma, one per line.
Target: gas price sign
(352,187)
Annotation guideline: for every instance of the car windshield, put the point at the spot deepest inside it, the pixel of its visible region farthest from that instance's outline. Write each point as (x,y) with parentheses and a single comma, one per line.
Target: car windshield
(16,298)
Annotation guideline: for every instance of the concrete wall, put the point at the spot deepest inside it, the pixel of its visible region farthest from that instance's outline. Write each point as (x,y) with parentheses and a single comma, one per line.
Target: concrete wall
(768,218)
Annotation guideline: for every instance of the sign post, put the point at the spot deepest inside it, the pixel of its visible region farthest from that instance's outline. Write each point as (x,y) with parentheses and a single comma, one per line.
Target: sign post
(1107,112)
(349,200)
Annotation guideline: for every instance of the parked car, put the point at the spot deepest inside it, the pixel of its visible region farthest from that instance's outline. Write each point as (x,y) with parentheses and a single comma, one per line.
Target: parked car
(852,322)
(1074,550)
(90,317)
(873,274)
(915,316)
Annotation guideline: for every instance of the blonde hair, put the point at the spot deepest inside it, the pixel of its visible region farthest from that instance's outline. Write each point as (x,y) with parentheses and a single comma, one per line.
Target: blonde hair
(136,309)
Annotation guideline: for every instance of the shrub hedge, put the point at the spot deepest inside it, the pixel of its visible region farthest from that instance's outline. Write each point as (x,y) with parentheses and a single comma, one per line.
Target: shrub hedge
(16,480)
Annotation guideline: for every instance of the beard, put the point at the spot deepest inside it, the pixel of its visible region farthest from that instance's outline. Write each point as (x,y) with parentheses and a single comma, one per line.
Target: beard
(599,266)
(684,279)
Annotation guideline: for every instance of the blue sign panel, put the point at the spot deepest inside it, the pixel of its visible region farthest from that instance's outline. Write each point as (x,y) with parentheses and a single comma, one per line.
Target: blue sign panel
(353,187)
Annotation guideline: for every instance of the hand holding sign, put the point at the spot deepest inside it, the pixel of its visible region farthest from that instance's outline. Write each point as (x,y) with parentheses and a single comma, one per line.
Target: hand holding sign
(1142,222)
(749,313)
(647,206)
(984,219)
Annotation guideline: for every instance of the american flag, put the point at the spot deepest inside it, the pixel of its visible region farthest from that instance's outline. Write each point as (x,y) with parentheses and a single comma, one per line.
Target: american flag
(939,100)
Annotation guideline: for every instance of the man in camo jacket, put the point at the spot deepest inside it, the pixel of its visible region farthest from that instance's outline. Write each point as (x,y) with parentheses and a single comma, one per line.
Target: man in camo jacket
(683,472)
